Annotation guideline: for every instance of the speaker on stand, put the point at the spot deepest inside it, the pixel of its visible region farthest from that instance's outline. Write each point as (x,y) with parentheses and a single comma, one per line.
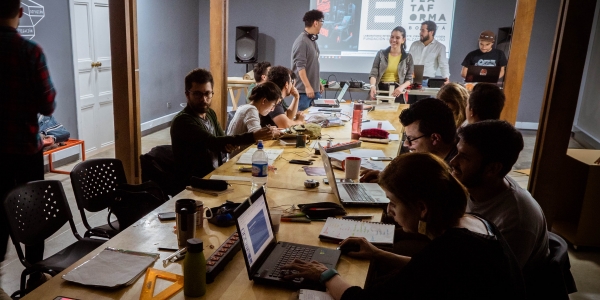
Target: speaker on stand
(246,45)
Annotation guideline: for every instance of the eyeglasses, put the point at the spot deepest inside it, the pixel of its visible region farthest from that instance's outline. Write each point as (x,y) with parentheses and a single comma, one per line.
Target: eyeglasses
(322,21)
(198,94)
(410,141)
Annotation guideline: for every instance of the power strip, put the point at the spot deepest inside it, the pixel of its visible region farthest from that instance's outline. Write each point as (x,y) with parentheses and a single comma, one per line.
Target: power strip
(219,259)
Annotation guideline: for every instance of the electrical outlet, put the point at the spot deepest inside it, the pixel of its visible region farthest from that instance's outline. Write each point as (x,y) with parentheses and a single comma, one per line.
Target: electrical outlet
(168,104)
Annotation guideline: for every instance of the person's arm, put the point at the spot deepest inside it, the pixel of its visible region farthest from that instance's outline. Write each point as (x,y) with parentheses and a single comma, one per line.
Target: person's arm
(44,90)
(282,121)
(443,63)
(293,108)
(521,242)
(408,77)
(463,72)
(252,120)
(374,75)
(503,62)
(310,92)
(466,62)
(299,61)
(501,72)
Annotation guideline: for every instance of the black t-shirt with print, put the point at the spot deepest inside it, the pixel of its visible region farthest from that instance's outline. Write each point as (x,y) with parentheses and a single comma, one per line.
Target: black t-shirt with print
(268,119)
(494,58)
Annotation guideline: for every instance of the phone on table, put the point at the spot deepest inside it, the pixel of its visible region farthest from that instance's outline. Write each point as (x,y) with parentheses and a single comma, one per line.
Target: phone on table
(382,158)
(166,216)
(64,298)
(340,180)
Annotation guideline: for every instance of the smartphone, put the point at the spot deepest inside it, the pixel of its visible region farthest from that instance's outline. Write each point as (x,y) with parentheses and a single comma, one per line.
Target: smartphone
(64,298)
(382,158)
(166,216)
(340,180)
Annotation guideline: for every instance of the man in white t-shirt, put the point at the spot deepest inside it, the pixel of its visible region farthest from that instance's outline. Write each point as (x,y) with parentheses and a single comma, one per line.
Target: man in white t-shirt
(487,150)
(429,52)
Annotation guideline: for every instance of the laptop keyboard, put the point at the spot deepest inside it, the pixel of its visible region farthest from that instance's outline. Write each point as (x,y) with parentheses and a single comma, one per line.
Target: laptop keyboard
(291,253)
(358,193)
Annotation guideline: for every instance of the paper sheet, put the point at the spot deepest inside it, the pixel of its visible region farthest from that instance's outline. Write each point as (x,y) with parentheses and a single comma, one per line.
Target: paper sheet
(394,137)
(385,125)
(313,295)
(246,157)
(366,153)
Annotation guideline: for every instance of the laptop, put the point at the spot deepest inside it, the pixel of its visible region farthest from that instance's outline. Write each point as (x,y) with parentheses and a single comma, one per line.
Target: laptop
(331,102)
(353,194)
(264,255)
(483,74)
(418,70)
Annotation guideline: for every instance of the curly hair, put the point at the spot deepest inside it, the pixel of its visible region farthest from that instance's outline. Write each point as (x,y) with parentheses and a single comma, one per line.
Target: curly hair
(487,101)
(266,90)
(311,16)
(200,76)
(260,69)
(455,96)
(414,177)
(495,140)
(434,116)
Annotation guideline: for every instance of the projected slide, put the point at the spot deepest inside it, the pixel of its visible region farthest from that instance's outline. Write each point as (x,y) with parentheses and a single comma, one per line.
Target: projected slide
(354,30)
(258,230)
(33,13)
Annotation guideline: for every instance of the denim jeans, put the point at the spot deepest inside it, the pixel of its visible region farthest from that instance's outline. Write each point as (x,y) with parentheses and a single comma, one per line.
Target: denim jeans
(306,102)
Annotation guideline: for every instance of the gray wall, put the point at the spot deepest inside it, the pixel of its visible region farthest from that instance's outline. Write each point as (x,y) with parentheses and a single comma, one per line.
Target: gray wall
(538,60)
(168,50)
(53,34)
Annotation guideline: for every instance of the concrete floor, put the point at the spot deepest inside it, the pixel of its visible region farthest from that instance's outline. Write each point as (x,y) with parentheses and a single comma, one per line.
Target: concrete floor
(585,263)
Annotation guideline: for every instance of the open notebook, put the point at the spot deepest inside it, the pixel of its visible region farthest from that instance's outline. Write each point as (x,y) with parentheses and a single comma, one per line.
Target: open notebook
(336,230)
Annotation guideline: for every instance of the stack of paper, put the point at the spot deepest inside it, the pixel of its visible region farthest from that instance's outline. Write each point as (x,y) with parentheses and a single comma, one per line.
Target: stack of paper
(246,158)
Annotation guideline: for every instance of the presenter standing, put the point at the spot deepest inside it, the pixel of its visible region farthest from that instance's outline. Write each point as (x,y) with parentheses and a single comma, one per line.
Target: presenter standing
(486,55)
(392,66)
(305,59)
(429,52)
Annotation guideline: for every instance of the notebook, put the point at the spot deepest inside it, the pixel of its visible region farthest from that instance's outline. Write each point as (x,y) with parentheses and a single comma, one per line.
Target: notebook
(336,230)
(353,194)
(264,255)
(483,74)
(331,102)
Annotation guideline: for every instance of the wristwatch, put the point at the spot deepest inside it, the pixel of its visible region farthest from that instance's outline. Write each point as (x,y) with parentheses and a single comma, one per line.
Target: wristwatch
(327,275)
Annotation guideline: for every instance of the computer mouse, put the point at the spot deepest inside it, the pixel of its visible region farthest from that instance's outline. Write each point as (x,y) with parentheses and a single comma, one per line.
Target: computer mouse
(349,248)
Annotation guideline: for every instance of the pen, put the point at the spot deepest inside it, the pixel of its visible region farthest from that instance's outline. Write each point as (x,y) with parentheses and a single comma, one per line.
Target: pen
(365,121)
(298,215)
(298,220)
(357,217)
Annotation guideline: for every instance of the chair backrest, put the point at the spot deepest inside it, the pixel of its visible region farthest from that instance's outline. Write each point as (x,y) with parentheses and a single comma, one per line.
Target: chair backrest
(36,210)
(94,182)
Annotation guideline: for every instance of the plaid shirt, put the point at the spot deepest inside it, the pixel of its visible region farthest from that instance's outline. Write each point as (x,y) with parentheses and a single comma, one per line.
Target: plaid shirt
(25,91)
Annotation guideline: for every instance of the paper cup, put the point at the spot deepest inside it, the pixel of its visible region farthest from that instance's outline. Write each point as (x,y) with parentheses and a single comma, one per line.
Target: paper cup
(276,219)
(352,167)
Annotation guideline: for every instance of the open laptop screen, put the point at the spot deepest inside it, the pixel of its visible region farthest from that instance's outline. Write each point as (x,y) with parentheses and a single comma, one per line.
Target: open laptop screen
(255,229)
(329,171)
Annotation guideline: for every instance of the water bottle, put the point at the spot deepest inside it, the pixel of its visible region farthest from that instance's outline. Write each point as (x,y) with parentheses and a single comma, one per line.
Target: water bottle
(356,121)
(194,269)
(260,168)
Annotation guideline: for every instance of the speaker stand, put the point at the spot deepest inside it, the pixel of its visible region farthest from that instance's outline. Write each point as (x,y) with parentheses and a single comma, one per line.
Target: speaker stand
(245,63)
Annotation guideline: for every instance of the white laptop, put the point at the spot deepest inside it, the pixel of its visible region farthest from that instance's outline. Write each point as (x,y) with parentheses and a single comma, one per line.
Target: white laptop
(332,102)
(353,194)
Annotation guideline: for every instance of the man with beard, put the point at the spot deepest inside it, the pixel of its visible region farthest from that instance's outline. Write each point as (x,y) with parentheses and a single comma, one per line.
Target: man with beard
(430,128)
(486,55)
(487,150)
(429,52)
(197,138)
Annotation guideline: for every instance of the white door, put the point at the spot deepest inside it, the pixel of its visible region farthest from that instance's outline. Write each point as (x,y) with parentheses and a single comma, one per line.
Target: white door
(93,76)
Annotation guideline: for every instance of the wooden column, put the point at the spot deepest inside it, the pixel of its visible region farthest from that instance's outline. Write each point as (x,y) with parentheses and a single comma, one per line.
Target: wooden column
(517,61)
(560,102)
(219,11)
(125,82)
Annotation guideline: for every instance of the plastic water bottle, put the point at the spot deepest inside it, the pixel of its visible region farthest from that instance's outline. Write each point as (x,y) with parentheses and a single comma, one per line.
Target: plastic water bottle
(260,168)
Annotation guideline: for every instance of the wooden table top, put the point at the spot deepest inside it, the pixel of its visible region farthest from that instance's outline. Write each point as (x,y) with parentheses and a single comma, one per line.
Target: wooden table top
(285,188)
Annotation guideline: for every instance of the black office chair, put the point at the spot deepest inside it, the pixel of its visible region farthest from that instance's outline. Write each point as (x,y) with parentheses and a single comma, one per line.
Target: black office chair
(553,280)
(94,182)
(35,211)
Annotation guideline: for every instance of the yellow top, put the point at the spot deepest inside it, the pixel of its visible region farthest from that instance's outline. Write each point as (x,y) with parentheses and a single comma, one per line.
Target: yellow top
(391,73)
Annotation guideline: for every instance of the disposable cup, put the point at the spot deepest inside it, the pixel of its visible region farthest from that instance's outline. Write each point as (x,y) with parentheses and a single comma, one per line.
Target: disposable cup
(276,219)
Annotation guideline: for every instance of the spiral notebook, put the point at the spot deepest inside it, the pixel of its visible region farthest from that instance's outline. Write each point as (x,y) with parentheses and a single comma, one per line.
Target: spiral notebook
(336,230)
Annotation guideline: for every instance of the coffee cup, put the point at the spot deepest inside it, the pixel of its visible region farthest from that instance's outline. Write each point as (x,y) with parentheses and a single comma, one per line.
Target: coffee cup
(302,140)
(276,219)
(351,166)
(185,220)
(200,213)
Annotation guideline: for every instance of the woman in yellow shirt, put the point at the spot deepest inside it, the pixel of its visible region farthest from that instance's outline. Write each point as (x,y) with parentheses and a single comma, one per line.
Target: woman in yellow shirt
(392,65)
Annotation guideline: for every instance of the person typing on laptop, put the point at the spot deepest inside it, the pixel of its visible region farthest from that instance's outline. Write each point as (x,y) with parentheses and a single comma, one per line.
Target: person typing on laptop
(430,128)
(466,259)
(486,55)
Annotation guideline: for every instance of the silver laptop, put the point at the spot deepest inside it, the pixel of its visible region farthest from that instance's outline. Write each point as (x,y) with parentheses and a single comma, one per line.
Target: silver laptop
(332,102)
(353,194)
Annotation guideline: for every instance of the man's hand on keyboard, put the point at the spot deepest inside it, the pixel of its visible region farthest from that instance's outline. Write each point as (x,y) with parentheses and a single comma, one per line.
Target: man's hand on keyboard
(308,270)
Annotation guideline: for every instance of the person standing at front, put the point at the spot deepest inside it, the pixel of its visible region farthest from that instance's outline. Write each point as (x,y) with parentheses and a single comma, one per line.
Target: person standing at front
(486,55)
(305,59)
(430,52)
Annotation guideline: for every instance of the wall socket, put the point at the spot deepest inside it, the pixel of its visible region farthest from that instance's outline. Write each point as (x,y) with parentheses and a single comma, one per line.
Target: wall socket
(168,104)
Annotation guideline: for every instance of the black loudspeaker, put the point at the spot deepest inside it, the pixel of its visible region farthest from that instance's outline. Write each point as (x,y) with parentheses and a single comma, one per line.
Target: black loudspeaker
(246,44)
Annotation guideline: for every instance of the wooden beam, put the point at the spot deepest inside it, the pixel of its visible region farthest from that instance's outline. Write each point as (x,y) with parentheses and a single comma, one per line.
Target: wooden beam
(560,102)
(125,82)
(517,60)
(219,11)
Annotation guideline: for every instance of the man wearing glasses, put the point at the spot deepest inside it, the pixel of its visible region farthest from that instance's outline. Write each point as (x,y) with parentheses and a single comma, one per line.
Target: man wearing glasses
(305,59)
(283,116)
(197,137)
(430,128)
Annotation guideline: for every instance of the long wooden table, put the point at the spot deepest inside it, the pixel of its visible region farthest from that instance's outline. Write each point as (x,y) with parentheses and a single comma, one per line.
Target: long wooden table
(149,233)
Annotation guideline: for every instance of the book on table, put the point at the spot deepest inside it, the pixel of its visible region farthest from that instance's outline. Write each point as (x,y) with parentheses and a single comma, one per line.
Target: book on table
(336,230)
